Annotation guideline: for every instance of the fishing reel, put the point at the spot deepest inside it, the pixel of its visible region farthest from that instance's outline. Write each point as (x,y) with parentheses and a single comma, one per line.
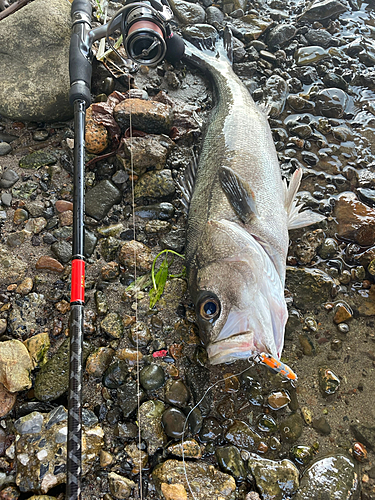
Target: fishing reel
(147,36)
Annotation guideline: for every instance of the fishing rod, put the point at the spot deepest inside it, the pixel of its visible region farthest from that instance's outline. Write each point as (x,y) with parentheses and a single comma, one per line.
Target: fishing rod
(147,39)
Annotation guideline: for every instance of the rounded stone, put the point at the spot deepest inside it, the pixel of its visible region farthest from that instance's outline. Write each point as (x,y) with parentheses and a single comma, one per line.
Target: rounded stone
(328,381)
(5,148)
(211,430)
(302,455)
(116,374)
(176,393)
(140,334)
(328,248)
(120,486)
(152,377)
(230,461)
(278,400)
(173,422)
(291,428)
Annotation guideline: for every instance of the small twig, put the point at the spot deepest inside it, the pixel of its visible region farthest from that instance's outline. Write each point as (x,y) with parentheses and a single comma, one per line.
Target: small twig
(12,8)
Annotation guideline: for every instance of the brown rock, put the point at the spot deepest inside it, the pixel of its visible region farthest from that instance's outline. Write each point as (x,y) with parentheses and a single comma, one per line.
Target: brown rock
(342,314)
(15,366)
(62,205)
(148,116)
(135,252)
(355,220)
(25,287)
(49,264)
(63,306)
(96,136)
(20,215)
(127,354)
(7,400)
(98,361)
(66,218)
(173,491)
(110,271)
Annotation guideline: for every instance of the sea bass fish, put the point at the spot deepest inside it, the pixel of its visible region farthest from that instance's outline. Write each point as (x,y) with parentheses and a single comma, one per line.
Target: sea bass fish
(239,213)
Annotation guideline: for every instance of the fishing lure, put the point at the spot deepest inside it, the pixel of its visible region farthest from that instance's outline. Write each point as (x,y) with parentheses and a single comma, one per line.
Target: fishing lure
(267,359)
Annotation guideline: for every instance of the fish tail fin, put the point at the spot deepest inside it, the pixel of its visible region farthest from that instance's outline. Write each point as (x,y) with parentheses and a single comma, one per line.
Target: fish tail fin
(208,51)
(297,219)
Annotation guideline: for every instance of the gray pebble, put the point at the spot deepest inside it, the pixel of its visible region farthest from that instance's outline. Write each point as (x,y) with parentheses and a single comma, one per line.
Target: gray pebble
(152,377)
(6,199)
(5,148)
(9,178)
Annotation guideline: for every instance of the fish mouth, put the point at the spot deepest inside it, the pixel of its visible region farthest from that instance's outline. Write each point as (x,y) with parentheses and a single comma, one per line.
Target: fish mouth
(239,346)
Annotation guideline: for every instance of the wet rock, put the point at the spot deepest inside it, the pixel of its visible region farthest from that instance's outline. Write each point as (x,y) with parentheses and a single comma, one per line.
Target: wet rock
(37,159)
(149,116)
(331,102)
(189,448)
(328,381)
(367,196)
(112,325)
(173,421)
(12,493)
(188,13)
(157,226)
(25,313)
(176,393)
(38,347)
(128,397)
(96,135)
(205,481)
(321,425)
(307,56)
(155,185)
(101,198)
(49,264)
(342,313)
(133,252)
(15,366)
(162,211)
(335,475)
(299,103)
(149,421)
(7,401)
(324,9)
(291,428)
(309,286)
(307,246)
(230,461)
(48,55)
(148,152)
(275,92)
(101,302)
(302,455)
(275,480)
(278,400)
(354,219)
(332,80)
(211,430)
(120,486)
(241,435)
(116,374)
(328,248)
(303,130)
(8,179)
(280,35)
(320,37)
(152,377)
(250,27)
(138,457)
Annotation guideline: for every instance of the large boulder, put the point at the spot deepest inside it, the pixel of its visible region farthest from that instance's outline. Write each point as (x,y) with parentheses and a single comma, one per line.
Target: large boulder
(34,62)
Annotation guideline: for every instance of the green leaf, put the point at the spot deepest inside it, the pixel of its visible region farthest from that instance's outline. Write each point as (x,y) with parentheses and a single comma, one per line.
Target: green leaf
(140,283)
(159,279)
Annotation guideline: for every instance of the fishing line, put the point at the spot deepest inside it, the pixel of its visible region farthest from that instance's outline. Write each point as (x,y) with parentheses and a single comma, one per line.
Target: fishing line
(252,364)
(136,293)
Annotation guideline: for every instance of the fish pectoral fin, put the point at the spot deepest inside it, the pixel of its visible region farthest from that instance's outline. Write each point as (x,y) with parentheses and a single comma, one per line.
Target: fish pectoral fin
(239,194)
(297,219)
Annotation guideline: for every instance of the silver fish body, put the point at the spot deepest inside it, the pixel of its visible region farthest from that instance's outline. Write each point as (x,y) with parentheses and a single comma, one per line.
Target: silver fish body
(237,234)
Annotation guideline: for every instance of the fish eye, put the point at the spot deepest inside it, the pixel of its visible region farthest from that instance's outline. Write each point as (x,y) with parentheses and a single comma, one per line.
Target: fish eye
(209,308)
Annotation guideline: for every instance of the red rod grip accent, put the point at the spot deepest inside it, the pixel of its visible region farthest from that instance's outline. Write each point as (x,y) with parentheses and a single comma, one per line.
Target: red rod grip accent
(78,281)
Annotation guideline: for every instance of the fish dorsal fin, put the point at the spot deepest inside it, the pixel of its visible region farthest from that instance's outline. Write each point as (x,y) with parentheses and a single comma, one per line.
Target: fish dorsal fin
(185,182)
(239,194)
(297,219)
